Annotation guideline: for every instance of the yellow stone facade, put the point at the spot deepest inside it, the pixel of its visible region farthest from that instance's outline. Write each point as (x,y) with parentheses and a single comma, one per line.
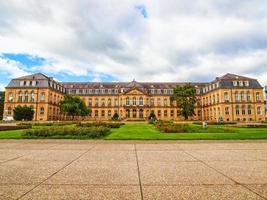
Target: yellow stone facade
(224,99)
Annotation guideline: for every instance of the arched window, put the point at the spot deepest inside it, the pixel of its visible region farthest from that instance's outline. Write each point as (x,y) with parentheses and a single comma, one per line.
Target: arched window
(96,102)
(236,97)
(141,101)
(257,96)
(134,101)
(42,96)
(116,102)
(237,110)
(109,113)
(141,115)
(242,96)
(159,102)
(10,97)
(9,110)
(102,113)
(42,111)
(248,97)
(32,96)
(102,102)
(127,101)
(96,113)
(152,102)
(90,102)
(226,97)
(26,96)
(109,102)
(165,102)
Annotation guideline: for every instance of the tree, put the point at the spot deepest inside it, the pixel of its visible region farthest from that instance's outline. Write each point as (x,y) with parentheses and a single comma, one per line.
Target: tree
(2,100)
(23,113)
(152,116)
(185,97)
(115,116)
(74,106)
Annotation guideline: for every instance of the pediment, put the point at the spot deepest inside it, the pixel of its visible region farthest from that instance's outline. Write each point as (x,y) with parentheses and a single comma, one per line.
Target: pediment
(134,91)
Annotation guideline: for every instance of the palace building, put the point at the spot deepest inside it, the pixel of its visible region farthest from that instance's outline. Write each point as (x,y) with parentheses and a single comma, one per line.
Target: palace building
(227,98)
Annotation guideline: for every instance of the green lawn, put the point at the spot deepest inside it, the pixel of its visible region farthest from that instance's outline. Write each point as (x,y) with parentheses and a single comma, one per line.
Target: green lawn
(148,132)
(143,131)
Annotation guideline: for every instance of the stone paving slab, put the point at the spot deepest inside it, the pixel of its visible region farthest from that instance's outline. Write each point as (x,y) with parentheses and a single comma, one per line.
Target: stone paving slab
(245,172)
(225,192)
(101,173)
(96,169)
(74,192)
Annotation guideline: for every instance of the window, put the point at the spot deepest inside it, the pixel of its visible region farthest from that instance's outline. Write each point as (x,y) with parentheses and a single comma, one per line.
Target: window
(96,102)
(159,91)
(165,113)
(116,102)
(42,111)
(257,96)
(134,101)
(241,83)
(32,96)
(227,111)
(102,113)
(152,91)
(172,113)
(165,102)
(10,97)
(159,103)
(214,101)
(103,102)
(246,83)
(109,102)
(226,97)
(26,96)
(218,98)
(237,110)
(96,113)
(134,113)
(159,113)
(258,110)
(90,102)
(42,96)
(236,97)
(109,113)
(152,102)
(234,83)
(9,110)
(242,96)
(248,97)
(249,110)
(127,101)
(141,101)
(243,109)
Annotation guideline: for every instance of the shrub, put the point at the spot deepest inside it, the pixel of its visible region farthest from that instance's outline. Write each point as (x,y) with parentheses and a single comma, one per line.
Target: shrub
(18,127)
(53,123)
(75,132)
(104,124)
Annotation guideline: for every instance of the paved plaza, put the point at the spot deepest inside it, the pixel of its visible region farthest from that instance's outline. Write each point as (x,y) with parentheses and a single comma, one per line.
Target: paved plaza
(75,169)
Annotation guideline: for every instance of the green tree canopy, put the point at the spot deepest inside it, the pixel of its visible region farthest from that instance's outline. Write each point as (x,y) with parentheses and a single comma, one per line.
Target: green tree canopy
(2,100)
(74,106)
(185,97)
(23,113)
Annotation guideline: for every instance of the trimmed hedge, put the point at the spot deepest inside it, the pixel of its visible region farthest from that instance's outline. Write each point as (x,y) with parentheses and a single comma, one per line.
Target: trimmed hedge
(170,127)
(65,132)
(252,126)
(216,123)
(104,124)
(11,128)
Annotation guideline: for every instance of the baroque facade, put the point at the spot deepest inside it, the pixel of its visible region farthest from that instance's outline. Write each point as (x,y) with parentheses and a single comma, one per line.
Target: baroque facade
(227,98)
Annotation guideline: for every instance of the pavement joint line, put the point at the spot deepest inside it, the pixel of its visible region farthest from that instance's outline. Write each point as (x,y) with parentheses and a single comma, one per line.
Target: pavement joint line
(236,182)
(55,173)
(138,171)
(5,161)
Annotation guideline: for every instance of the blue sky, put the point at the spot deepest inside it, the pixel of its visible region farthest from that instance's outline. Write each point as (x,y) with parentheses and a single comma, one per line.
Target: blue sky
(114,40)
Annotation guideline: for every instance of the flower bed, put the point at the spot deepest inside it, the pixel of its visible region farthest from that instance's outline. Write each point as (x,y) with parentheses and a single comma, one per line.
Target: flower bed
(170,127)
(67,132)
(13,127)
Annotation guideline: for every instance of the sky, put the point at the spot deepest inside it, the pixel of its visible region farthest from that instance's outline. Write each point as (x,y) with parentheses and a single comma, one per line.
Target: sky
(122,40)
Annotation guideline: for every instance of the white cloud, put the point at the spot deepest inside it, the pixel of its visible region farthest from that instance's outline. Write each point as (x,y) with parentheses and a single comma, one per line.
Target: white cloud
(178,41)
(12,68)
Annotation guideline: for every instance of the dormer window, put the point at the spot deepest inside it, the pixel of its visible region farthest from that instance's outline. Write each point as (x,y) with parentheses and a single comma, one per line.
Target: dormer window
(235,83)
(159,91)
(241,83)
(246,83)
